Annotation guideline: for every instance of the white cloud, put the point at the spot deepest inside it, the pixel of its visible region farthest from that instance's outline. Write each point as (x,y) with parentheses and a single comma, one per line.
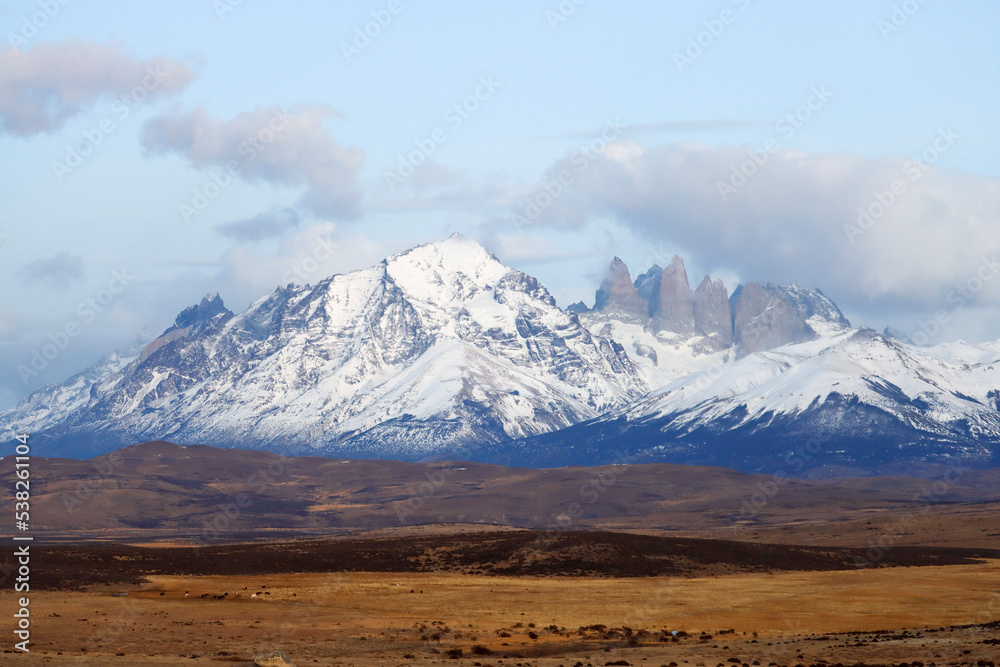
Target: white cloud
(272,144)
(797,218)
(307,255)
(59,271)
(261,226)
(43,87)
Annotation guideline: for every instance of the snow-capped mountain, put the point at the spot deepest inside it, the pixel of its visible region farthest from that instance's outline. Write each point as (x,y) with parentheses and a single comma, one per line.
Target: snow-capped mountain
(54,403)
(434,350)
(857,401)
(443,351)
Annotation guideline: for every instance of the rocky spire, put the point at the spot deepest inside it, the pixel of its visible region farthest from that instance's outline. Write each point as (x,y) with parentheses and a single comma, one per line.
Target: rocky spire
(675,306)
(196,320)
(648,285)
(202,315)
(712,316)
(617,294)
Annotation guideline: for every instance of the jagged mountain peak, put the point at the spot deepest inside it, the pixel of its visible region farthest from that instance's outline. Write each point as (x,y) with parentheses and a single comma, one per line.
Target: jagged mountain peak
(686,328)
(432,349)
(648,286)
(650,275)
(653,270)
(202,314)
(712,316)
(677,271)
(618,295)
(674,308)
(200,319)
(707,283)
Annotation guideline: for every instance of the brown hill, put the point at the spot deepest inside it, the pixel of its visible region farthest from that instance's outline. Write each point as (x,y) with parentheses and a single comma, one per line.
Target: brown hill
(211,495)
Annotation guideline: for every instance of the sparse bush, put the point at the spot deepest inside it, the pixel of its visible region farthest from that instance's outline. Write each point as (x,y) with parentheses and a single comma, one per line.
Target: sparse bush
(273,659)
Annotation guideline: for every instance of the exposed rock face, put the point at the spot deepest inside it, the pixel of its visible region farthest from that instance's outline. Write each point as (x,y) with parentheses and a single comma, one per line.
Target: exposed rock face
(675,308)
(712,316)
(762,320)
(822,314)
(993,399)
(755,318)
(210,313)
(648,286)
(765,317)
(617,295)
(195,320)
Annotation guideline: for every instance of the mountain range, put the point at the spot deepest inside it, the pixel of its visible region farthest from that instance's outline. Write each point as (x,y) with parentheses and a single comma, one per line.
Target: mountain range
(443,352)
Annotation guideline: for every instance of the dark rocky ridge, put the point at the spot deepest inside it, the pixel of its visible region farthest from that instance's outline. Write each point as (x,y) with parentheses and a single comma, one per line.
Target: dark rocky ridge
(491,553)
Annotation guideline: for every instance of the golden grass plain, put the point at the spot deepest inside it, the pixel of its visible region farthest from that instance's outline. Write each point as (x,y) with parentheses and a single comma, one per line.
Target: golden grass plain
(367,619)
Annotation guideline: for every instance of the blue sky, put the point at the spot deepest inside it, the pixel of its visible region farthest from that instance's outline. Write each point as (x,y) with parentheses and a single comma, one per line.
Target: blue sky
(835,100)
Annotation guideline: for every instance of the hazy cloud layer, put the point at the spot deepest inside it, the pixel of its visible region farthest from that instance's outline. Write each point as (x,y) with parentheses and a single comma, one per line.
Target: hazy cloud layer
(261,226)
(670,126)
(269,144)
(797,217)
(43,87)
(306,256)
(58,271)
